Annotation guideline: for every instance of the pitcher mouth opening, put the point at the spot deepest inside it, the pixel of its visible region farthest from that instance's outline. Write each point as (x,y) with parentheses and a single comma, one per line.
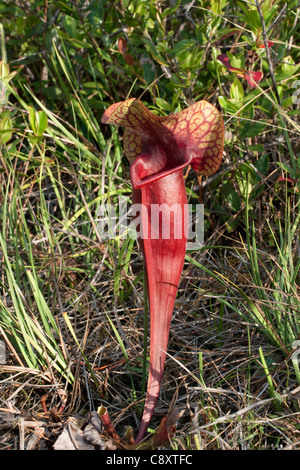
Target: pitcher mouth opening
(140,176)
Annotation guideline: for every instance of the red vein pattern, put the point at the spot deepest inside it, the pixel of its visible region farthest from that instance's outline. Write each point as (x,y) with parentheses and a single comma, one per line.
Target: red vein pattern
(158,148)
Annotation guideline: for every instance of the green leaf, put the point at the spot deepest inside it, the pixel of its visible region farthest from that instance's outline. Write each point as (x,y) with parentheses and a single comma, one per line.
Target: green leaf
(155,54)
(35,139)
(70,25)
(252,130)
(38,121)
(251,16)
(262,166)
(32,120)
(169,11)
(149,71)
(5,128)
(256,148)
(237,90)
(42,122)
(245,177)
(163,104)
(232,197)
(269,13)
(236,61)
(229,105)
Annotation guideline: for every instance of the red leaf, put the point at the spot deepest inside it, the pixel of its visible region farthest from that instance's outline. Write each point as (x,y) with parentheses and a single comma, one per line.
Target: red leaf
(270,44)
(128,59)
(122,46)
(253,78)
(225,61)
(288,178)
